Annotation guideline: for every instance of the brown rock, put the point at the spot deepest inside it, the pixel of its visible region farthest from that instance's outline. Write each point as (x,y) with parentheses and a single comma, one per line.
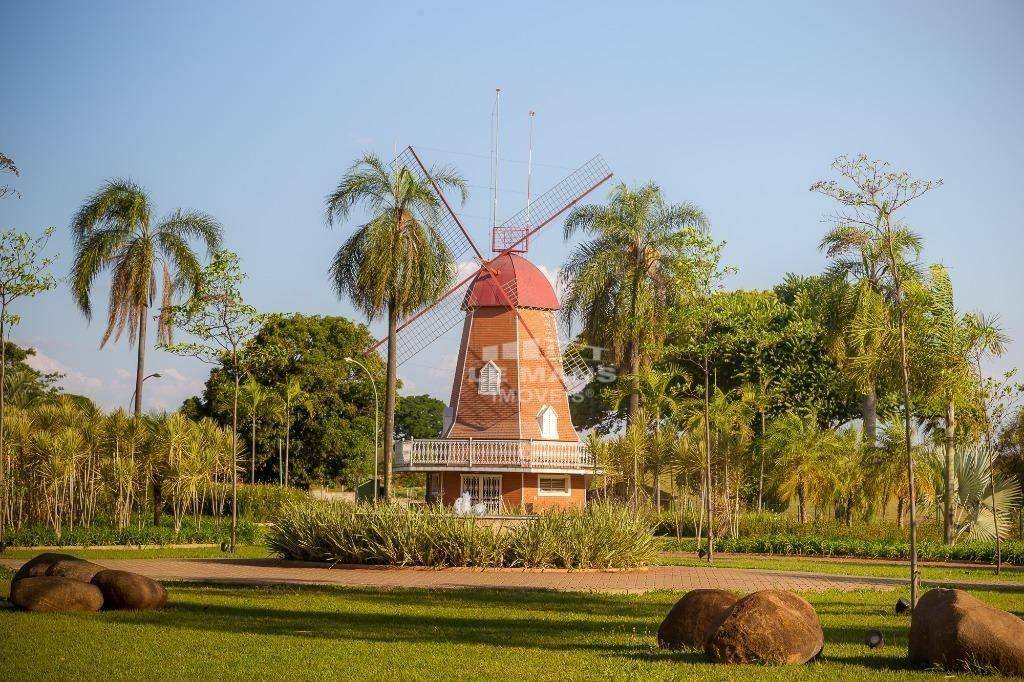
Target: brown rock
(39,565)
(76,569)
(125,590)
(952,629)
(54,593)
(770,626)
(688,621)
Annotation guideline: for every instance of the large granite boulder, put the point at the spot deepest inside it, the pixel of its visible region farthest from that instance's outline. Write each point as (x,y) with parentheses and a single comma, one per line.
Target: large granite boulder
(40,564)
(952,629)
(125,590)
(76,569)
(687,622)
(770,627)
(55,593)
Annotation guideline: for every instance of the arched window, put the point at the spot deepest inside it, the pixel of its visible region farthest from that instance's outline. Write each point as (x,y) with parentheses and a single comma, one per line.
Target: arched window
(490,379)
(548,422)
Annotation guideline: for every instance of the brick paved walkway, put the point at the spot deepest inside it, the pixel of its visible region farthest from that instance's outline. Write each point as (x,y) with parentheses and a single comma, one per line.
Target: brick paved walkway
(278,572)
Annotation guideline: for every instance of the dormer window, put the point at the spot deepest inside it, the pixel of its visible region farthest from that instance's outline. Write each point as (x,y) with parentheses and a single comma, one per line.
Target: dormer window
(490,379)
(548,422)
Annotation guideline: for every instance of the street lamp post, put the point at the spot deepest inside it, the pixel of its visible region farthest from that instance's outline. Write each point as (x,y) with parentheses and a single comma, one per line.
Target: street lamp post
(154,375)
(376,417)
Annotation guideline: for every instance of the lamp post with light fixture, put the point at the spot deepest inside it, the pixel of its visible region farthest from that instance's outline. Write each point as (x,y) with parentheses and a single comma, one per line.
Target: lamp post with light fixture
(376,418)
(154,375)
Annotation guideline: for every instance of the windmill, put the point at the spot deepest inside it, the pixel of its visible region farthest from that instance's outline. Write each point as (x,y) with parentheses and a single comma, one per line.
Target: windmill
(509,440)
(429,323)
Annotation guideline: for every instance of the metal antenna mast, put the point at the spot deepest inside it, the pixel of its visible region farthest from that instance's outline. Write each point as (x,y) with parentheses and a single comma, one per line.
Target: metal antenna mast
(497,128)
(529,169)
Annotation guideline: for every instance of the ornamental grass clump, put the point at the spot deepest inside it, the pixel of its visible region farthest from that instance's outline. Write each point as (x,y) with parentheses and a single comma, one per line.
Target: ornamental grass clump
(600,536)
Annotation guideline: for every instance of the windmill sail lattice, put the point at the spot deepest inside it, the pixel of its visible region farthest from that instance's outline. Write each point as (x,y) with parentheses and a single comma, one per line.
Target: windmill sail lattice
(432,321)
(516,231)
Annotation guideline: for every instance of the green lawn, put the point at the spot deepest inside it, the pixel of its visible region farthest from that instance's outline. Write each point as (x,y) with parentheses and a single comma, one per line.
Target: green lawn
(317,632)
(1012,575)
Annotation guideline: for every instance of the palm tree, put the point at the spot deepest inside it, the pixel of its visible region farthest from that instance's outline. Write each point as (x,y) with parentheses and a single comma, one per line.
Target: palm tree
(802,448)
(114,229)
(860,331)
(291,395)
(984,498)
(953,342)
(622,284)
(633,446)
(255,398)
(760,397)
(659,391)
(397,261)
(871,195)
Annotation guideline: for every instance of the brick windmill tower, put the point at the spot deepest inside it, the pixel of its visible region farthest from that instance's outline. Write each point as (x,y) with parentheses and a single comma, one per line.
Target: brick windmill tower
(508,439)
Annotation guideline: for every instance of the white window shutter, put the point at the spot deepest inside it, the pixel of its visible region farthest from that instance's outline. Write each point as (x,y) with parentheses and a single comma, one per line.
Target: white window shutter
(547,419)
(490,379)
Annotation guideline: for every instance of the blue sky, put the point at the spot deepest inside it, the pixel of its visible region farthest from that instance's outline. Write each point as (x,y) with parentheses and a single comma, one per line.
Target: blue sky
(253,111)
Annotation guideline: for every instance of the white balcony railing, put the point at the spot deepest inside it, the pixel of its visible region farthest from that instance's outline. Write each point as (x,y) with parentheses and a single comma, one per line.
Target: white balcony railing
(501,454)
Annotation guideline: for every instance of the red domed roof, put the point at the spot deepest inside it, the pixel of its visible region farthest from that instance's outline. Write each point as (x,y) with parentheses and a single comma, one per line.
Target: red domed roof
(523,282)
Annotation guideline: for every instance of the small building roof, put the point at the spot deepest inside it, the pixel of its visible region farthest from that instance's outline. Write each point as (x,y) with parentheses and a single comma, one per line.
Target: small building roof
(522,281)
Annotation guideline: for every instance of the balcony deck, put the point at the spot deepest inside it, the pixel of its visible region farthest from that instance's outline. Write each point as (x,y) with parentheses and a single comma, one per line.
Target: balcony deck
(441,454)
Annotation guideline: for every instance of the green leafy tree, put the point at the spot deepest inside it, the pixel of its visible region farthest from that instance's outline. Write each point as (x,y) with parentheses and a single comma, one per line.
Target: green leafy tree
(397,261)
(7,166)
(223,324)
(953,342)
(419,416)
(621,284)
(114,230)
(25,386)
(698,278)
(335,445)
(871,195)
(24,273)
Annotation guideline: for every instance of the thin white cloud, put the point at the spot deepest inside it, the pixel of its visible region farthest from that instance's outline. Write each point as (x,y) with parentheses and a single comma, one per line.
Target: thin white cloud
(74,381)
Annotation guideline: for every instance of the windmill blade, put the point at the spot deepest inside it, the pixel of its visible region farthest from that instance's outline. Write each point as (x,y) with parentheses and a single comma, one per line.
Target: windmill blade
(515,232)
(430,322)
(453,233)
(578,374)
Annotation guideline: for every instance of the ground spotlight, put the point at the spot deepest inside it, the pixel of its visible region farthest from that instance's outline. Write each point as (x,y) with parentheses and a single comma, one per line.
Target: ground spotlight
(702,553)
(874,639)
(224,547)
(902,606)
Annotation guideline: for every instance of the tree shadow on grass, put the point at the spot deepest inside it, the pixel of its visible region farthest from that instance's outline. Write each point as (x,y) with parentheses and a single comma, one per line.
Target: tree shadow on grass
(551,621)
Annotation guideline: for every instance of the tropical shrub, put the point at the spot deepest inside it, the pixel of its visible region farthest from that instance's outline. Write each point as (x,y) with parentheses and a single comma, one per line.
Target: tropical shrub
(602,535)
(69,466)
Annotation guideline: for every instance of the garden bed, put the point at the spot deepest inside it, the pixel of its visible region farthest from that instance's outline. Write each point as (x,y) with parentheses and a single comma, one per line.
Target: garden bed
(601,535)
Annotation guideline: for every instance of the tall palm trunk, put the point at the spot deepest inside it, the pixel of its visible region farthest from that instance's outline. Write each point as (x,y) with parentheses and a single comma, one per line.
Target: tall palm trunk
(911,493)
(389,397)
(947,495)
(634,368)
(869,416)
(252,473)
(140,376)
(801,494)
(4,481)
(760,477)
(234,457)
(707,462)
